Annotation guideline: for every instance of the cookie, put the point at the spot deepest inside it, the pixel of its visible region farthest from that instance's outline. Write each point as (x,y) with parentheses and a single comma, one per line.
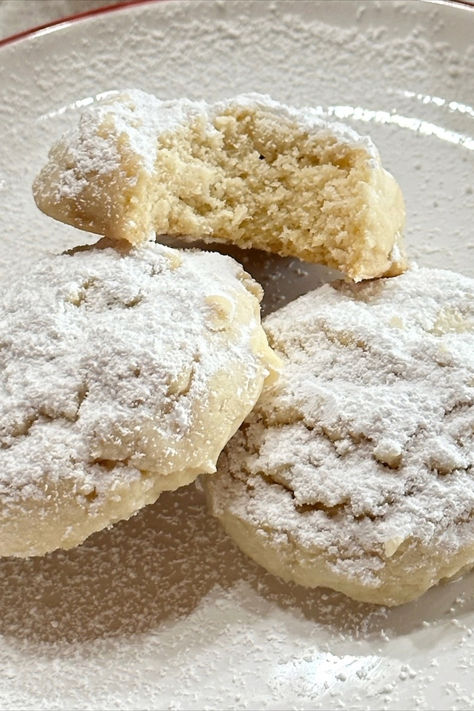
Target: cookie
(354,470)
(123,374)
(247,171)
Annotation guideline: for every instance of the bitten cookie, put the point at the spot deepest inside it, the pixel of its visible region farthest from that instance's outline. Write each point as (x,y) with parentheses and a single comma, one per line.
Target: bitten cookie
(121,375)
(248,171)
(354,471)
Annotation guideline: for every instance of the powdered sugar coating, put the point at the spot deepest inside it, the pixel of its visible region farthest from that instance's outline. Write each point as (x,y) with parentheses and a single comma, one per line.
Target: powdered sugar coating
(364,449)
(112,366)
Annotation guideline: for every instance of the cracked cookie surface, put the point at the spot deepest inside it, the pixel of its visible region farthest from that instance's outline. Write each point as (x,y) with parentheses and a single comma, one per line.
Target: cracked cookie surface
(354,470)
(122,374)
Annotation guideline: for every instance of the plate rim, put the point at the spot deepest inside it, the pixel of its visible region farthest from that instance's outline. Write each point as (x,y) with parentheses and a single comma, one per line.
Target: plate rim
(63,22)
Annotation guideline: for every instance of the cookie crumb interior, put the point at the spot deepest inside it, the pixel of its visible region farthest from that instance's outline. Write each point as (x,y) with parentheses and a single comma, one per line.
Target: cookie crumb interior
(260,182)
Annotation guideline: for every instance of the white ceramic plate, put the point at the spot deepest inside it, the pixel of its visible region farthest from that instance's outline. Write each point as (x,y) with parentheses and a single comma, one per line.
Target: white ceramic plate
(163,612)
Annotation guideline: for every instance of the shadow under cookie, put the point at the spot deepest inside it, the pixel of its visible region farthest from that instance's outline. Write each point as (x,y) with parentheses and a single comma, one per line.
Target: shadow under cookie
(157,568)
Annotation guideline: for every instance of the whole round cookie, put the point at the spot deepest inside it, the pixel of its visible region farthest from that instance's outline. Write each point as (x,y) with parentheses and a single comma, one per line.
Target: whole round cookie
(121,375)
(354,470)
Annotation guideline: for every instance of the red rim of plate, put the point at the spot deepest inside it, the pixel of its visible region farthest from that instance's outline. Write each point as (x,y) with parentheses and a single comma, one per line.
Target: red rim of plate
(38,29)
(64,21)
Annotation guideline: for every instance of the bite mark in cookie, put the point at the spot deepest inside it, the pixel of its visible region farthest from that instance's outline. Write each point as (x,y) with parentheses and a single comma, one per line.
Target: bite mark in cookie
(247,171)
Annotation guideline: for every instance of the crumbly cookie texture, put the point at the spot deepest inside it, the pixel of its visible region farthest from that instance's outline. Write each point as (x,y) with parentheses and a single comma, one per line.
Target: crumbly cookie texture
(354,471)
(122,374)
(248,171)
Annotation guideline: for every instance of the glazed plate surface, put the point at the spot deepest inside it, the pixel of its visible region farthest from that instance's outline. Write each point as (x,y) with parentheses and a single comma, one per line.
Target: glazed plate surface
(163,611)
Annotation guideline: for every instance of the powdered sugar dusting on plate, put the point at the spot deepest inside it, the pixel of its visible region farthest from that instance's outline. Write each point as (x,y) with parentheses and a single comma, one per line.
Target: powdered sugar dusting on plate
(161,603)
